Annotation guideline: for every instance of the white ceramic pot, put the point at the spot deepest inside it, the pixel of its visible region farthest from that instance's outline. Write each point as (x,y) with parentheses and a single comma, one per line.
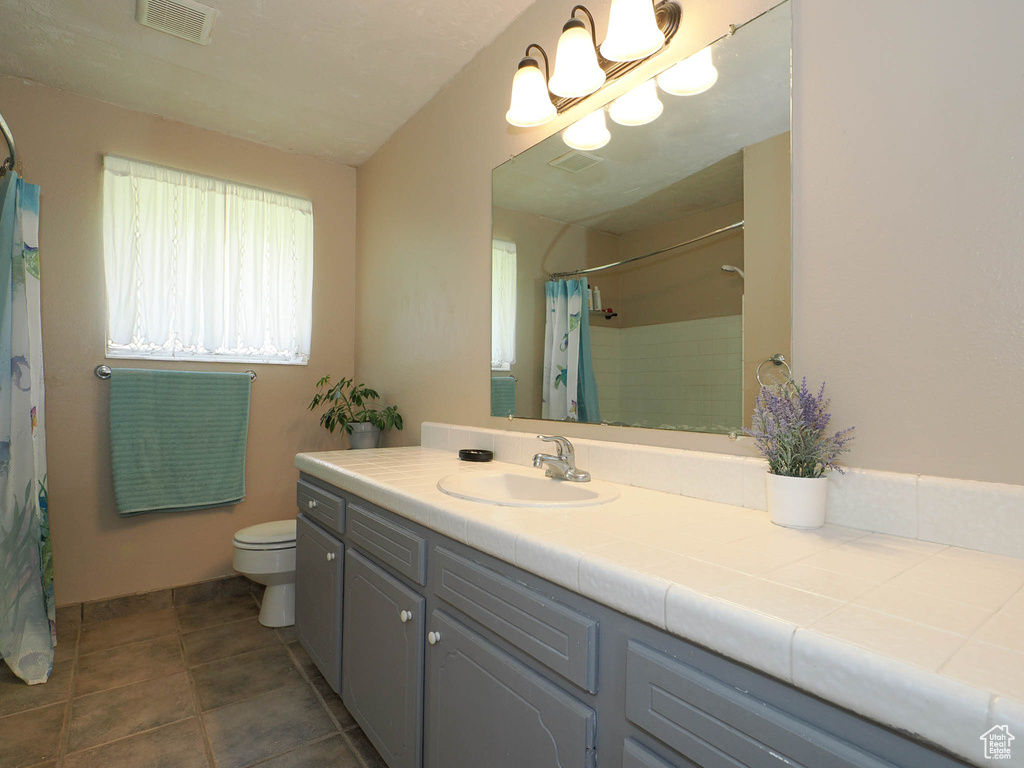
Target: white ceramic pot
(797,502)
(364,435)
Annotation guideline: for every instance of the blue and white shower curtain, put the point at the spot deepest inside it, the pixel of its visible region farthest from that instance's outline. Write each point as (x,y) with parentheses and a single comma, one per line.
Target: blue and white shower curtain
(27,626)
(569,390)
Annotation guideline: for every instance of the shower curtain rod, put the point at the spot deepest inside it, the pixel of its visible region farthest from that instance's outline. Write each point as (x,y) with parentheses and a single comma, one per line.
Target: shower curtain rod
(8,164)
(561,275)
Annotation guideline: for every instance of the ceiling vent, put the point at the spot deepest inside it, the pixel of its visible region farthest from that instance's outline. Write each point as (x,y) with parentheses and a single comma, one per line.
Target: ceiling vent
(575,161)
(182,18)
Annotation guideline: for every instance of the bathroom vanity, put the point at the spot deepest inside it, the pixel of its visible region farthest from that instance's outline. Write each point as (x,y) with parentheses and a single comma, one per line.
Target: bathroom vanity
(450,657)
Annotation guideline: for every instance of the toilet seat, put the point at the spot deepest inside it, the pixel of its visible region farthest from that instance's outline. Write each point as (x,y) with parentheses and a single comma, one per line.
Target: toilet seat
(279,534)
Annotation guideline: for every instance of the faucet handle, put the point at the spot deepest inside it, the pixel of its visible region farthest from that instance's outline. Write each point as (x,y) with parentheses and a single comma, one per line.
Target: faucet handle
(565,449)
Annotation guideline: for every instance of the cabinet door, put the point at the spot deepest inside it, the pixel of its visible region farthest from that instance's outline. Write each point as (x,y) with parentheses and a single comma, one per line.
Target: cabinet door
(484,708)
(383,661)
(319,567)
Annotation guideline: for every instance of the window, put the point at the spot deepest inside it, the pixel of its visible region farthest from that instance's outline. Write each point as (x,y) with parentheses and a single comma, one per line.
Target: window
(204,269)
(503,305)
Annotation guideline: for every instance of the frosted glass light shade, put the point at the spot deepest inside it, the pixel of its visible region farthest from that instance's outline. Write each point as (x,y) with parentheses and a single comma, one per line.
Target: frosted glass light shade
(530,105)
(690,76)
(588,133)
(632,31)
(577,72)
(638,107)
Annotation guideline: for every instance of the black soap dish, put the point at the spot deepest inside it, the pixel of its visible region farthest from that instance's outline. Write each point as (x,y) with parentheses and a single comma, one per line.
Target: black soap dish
(475,454)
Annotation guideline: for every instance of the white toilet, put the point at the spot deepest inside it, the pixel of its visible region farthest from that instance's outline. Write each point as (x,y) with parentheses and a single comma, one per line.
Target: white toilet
(265,553)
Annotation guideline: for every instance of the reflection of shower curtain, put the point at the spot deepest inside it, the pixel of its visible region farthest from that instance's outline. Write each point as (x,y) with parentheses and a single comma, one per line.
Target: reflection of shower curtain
(569,390)
(26,568)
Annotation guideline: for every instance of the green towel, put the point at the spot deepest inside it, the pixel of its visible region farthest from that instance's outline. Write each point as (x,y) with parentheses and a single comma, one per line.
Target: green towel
(503,396)
(177,439)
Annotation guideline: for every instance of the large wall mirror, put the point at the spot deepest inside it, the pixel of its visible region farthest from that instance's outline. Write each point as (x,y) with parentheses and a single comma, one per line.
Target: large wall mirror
(702,193)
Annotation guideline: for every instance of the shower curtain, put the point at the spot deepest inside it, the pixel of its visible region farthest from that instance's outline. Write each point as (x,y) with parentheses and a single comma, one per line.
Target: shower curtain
(27,626)
(569,391)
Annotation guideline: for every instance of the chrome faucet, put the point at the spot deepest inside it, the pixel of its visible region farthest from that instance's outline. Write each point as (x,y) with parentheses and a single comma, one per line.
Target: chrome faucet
(563,465)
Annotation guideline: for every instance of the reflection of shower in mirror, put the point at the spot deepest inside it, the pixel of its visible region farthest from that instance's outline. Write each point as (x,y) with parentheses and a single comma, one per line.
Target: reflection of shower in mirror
(731,268)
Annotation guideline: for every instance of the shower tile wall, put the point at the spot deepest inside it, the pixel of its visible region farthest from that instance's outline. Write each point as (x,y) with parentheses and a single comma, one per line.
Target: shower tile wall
(688,373)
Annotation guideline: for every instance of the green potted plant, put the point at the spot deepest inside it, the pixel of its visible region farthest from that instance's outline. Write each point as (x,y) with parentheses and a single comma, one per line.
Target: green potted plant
(353,408)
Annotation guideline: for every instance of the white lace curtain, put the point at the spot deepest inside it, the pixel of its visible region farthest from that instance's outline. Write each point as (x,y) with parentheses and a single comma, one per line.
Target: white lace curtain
(503,305)
(204,269)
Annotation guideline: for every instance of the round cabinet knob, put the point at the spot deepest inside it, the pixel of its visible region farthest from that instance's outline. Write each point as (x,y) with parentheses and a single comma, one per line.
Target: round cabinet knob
(312,503)
(433,638)
(330,556)
(405,616)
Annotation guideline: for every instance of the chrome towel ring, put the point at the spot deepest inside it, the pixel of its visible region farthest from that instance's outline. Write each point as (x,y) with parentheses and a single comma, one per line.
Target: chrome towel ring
(777,359)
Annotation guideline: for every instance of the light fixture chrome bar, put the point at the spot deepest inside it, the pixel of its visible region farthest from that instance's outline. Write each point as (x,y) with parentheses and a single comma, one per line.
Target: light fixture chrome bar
(561,275)
(8,164)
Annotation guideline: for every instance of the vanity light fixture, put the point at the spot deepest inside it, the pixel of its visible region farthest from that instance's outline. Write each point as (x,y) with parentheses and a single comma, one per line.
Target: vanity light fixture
(633,32)
(577,72)
(638,106)
(690,76)
(638,29)
(588,133)
(531,105)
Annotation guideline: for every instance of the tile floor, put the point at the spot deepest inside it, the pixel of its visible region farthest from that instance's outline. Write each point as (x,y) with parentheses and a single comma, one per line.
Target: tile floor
(200,685)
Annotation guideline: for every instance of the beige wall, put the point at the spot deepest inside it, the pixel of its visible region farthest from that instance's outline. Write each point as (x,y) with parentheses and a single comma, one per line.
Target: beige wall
(61,139)
(767,246)
(907,288)
(685,284)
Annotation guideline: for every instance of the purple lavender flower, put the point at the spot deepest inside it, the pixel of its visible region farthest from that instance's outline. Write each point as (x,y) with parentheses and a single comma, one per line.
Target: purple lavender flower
(790,429)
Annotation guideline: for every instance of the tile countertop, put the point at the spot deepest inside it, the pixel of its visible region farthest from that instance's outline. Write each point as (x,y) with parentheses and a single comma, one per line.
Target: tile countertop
(924,637)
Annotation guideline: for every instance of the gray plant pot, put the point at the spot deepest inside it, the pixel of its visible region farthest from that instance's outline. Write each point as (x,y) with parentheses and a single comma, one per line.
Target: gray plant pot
(364,435)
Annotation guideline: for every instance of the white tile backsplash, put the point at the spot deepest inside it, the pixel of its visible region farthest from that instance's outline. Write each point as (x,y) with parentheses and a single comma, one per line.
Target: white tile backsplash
(988,517)
(712,476)
(985,516)
(877,501)
(508,447)
(434,436)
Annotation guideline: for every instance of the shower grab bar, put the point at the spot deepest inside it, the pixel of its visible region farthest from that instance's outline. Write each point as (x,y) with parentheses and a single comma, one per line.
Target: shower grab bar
(103,372)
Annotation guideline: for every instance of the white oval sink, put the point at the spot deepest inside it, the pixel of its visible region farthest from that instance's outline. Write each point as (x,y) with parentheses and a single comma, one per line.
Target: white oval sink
(512,489)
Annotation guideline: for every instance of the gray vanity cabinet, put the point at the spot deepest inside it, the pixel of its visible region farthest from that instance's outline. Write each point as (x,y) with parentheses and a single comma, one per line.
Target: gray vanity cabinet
(319,564)
(453,659)
(382,681)
(485,708)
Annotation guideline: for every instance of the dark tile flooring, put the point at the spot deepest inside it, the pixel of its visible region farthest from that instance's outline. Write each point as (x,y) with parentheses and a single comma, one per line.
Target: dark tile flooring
(201,685)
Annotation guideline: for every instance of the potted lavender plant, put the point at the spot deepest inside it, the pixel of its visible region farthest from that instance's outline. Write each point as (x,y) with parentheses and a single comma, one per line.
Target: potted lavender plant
(790,429)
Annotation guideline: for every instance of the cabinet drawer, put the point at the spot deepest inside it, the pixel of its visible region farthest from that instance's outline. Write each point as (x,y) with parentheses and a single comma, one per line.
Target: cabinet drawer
(560,638)
(400,549)
(717,725)
(322,506)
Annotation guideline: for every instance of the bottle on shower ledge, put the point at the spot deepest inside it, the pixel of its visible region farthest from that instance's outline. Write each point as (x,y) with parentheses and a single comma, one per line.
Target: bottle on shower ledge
(596,304)
(590,298)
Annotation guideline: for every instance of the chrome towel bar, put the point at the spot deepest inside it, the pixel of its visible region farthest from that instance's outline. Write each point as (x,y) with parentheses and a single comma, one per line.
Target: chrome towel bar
(103,372)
